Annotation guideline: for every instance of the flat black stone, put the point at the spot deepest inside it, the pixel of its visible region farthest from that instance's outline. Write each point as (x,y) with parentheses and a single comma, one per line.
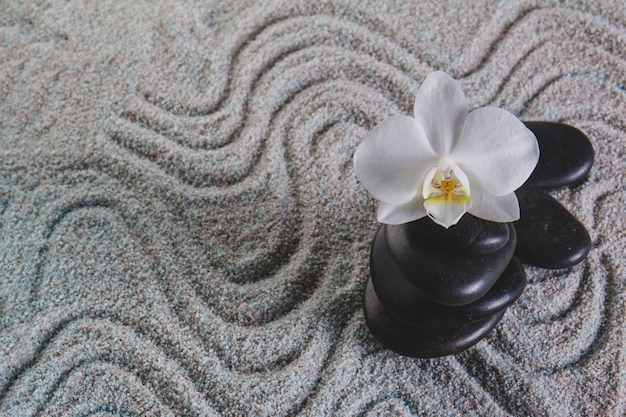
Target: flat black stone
(412,263)
(403,300)
(548,236)
(469,235)
(566,155)
(421,343)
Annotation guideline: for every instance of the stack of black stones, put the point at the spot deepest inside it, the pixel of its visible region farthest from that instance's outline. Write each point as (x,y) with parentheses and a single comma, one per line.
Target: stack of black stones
(436,291)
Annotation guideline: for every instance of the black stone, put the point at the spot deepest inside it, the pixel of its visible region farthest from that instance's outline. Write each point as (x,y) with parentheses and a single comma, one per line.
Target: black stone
(421,343)
(402,260)
(403,301)
(471,234)
(548,236)
(566,155)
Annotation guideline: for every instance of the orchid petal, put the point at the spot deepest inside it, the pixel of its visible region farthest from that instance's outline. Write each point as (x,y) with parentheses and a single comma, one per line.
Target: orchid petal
(460,175)
(428,189)
(441,108)
(392,160)
(503,208)
(403,213)
(496,150)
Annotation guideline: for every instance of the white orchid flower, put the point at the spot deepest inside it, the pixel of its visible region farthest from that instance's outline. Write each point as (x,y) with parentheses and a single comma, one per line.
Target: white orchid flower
(445,161)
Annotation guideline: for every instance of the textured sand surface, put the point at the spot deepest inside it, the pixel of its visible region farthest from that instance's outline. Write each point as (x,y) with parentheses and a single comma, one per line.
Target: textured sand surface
(182,233)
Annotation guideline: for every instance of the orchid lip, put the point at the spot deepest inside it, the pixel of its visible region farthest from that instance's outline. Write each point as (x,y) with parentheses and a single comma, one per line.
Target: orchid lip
(446,195)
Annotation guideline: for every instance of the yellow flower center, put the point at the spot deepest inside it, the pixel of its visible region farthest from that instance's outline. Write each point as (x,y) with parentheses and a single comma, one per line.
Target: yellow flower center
(446,195)
(447,185)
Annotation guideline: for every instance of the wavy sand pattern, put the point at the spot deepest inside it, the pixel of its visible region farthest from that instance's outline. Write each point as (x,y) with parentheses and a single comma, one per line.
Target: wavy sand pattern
(182,233)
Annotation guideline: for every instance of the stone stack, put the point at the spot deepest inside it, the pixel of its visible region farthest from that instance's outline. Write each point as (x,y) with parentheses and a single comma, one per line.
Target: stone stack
(435,291)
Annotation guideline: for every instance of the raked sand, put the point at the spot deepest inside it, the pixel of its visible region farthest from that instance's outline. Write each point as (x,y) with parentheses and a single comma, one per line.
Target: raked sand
(182,233)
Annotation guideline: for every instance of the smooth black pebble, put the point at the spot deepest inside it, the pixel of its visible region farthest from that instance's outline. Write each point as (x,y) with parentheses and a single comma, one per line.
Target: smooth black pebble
(402,260)
(565,155)
(470,235)
(548,236)
(404,302)
(422,343)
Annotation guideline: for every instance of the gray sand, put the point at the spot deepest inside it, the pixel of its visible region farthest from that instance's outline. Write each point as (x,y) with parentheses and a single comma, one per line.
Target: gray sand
(182,233)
